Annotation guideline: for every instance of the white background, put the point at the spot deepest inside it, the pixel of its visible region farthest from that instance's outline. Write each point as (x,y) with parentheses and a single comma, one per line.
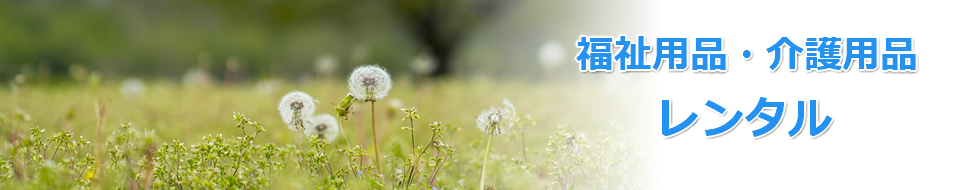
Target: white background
(890,130)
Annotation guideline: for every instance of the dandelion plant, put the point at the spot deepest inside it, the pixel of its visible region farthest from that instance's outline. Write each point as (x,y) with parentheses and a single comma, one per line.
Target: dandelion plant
(322,126)
(494,121)
(58,151)
(371,83)
(294,108)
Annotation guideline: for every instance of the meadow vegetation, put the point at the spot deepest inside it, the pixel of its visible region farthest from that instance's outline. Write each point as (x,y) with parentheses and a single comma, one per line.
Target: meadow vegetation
(445,134)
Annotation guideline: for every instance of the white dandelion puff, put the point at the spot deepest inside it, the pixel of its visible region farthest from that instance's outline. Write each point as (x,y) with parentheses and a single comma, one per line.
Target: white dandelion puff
(494,121)
(326,65)
(133,88)
(323,125)
(267,86)
(197,77)
(551,54)
(369,83)
(396,103)
(423,64)
(497,120)
(295,107)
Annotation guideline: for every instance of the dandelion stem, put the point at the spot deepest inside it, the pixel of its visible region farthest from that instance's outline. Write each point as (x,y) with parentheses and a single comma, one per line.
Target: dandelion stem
(483,168)
(300,130)
(376,149)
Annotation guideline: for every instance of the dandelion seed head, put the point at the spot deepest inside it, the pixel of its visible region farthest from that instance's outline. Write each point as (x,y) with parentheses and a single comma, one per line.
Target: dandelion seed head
(395,104)
(133,88)
(267,86)
(197,77)
(326,65)
(497,120)
(369,82)
(324,125)
(295,107)
(551,54)
(423,64)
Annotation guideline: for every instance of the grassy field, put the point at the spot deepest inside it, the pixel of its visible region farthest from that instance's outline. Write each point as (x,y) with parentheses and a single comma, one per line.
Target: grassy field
(173,136)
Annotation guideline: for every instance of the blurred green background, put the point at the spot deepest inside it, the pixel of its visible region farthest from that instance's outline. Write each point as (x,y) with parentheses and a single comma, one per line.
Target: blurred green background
(244,40)
(175,64)
(181,68)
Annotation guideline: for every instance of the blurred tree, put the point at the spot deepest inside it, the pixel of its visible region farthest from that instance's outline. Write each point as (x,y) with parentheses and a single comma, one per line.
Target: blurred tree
(442,25)
(261,37)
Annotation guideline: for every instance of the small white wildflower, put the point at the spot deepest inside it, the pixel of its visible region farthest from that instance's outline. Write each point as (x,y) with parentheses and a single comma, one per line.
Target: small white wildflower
(496,120)
(369,83)
(324,125)
(574,141)
(295,107)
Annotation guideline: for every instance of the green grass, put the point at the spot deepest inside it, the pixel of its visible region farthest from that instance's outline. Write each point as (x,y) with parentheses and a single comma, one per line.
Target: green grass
(547,151)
